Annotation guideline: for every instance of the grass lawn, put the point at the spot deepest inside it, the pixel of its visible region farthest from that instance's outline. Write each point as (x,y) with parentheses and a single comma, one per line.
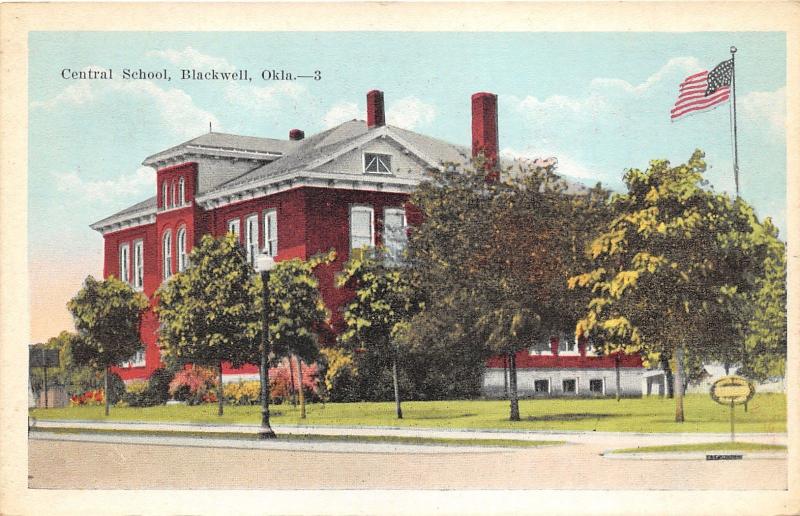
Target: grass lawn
(766,413)
(705,447)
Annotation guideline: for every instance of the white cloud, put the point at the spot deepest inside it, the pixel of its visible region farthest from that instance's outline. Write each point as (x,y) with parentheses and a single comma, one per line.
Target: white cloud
(142,180)
(176,108)
(768,105)
(341,112)
(410,112)
(675,67)
(191,58)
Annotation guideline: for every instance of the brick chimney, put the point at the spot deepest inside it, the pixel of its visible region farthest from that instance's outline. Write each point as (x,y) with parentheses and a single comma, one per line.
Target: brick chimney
(484,130)
(375,113)
(296,134)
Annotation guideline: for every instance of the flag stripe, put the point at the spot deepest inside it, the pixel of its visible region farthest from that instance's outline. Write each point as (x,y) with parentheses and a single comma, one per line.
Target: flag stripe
(683,101)
(700,103)
(700,106)
(695,111)
(703,90)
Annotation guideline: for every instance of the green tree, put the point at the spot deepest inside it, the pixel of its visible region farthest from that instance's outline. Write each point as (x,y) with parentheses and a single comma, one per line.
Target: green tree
(207,312)
(494,258)
(74,377)
(671,269)
(385,298)
(107,315)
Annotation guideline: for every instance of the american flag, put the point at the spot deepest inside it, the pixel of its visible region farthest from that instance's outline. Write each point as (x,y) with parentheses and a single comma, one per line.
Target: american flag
(704,90)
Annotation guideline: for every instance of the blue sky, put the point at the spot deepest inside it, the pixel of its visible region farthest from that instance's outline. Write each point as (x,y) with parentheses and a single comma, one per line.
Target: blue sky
(598,101)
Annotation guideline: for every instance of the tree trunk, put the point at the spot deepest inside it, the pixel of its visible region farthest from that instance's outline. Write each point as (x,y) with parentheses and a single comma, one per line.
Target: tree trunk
(291,382)
(399,410)
(220,397)
(106,394)
(668,380)
(301,395)
(505,377)
(512,384)
(679,385)
(616,370)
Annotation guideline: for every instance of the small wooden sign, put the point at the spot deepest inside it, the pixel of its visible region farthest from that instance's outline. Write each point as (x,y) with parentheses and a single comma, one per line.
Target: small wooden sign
(732,390)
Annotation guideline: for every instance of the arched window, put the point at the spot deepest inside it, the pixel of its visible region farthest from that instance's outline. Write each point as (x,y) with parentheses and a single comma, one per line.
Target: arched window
(167,255)
(181,241)
(164,195)
(174,194)
(181,191)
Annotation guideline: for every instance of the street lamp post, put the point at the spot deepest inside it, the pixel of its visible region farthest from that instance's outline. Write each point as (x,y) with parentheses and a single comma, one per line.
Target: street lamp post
(264,264)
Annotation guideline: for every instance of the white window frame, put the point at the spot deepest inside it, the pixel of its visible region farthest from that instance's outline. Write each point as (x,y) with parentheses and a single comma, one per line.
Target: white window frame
(567,380)
(181,191)
(549,385)
(381,166)
(174,195)
(364,208)
(125,262)
(138,264)
(571,352)
(603,382)
(392,210)
(271,232)
(166,254)
(138,359)
(165,194)
(234,226)
(180,243)
(251,238)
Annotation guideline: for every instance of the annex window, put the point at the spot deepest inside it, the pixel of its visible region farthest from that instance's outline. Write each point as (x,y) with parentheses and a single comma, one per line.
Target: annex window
(181,191)
(377,163)
(362,227)
(138,264)
(166,253)
(124,263)
(394,232)
(181,244)
(567,345)
(541,386)
(138,359)
(597,386)
(164,195)
(233,227)
(569,386)
(540,347)
(251,238)
(271,232)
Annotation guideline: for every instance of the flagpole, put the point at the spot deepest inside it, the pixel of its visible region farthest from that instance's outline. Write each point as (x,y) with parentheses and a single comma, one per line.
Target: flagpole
(735,139)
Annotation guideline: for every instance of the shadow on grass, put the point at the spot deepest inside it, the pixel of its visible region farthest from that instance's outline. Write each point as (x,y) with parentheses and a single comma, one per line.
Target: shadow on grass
(443,416)
(573,417)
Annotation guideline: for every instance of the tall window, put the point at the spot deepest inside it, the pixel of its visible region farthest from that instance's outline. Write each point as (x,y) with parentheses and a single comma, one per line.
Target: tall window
(124,263)
(394,232)
(233,227)
(167,255)
(377,163)
(164,195)
(138,264)
(362,232)
(181,241)
(174,194)
(271,232)
(181,191)
(251,238)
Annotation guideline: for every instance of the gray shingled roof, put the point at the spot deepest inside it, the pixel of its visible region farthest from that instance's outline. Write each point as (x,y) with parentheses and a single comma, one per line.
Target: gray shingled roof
(231,142)
(144,207)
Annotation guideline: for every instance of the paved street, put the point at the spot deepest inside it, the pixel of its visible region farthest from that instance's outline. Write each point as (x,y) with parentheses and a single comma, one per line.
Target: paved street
(70,464)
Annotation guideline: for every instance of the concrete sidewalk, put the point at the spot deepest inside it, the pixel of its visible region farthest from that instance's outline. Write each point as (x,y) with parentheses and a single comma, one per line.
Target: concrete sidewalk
(611,439)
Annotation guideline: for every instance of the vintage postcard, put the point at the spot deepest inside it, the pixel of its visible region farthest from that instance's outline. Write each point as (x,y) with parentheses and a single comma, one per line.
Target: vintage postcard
(423,258)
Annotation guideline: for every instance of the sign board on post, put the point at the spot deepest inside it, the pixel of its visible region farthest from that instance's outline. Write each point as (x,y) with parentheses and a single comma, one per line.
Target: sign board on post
(731,391)
(41,357)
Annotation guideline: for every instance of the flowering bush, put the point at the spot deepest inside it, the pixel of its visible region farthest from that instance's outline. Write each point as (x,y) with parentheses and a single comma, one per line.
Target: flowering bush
(242,393)
(194,385)
(88,398)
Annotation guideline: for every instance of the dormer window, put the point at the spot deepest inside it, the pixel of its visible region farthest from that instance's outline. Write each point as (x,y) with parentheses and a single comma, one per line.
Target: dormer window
(377,163)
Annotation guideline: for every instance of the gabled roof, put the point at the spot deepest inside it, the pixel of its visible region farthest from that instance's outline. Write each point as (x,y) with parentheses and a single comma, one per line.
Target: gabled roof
(144,210)
(250,146)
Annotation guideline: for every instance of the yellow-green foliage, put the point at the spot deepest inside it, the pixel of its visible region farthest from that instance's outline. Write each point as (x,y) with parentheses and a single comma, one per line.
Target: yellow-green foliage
(136,387)
(242,393)
(340,365)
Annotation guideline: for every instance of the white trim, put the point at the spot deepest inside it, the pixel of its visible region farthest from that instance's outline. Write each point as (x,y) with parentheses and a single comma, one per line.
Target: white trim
(603,380)
(269,238)
(125,262)
(182,190)
(364,208)
(174,194)
(180,246)
(138,264)
(166,255)
(563,391)
(251,246)
(164,195)
(378,156)
(234,226)
(549,385)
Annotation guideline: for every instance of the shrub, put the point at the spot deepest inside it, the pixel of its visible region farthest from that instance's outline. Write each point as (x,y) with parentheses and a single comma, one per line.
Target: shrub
(116,387)
(340,373)
(136,394)
(158,386)
(194,385)
(243,393)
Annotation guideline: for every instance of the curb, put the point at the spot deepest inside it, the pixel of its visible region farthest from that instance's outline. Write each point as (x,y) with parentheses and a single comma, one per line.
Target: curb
(719,455)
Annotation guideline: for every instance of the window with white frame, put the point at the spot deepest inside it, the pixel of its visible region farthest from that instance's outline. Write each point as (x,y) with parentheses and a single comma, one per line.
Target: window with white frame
(164,195)
(362,227)
(138,264)
(567,345)
(166,253)
(541,386)
(540,347)
(271,232)
(181,191)
(124,263)
(569,385)
(174,194)
(181,245)
(377,163)
(394,232)
(233,227)
(251,238)
(597,386)
(137,360)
